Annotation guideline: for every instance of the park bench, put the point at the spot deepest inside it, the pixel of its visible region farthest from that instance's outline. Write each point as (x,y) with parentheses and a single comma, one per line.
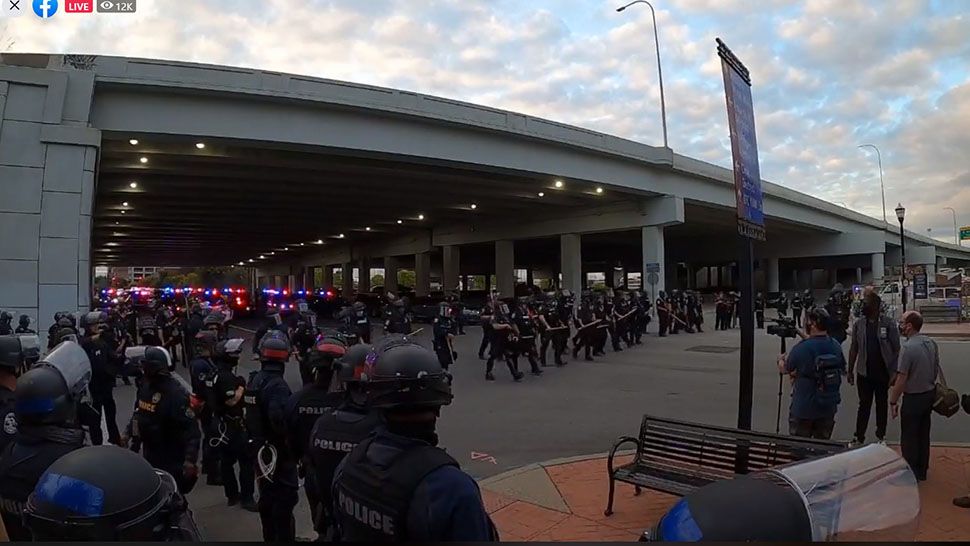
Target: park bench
(678,457)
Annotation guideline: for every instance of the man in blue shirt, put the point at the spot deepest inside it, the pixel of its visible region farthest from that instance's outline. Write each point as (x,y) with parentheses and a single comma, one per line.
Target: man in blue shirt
(816,366)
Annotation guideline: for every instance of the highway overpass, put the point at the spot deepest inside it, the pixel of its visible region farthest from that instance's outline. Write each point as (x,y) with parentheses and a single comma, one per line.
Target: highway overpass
(110,161)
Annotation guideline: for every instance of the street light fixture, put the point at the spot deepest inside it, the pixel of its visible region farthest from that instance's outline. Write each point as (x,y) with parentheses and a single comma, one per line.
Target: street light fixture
(660,73)
(881,184)
(901,216)
(956,232)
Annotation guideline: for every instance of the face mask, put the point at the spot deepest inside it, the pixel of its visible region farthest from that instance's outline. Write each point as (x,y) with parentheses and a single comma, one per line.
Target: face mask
(418,430)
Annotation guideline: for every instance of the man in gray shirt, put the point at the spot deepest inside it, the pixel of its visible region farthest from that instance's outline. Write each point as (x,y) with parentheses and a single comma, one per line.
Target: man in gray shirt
(919,362)
(872,364)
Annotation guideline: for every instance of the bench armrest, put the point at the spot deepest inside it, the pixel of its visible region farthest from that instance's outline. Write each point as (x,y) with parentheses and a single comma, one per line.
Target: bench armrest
(616,446)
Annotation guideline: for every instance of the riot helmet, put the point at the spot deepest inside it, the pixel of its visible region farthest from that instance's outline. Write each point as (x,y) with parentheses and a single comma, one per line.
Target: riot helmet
(400,374)
(24,321)
(11,357)
(229,350)
(661,294)
(5,318)
(214,321)
(93,321)
(274,347)
(205,342)
(65,322)
(42,398)
(351,364)
(155,362)
(273,316)
(359,306)
(104,493)
(29,348)
(302,306)
(327,349)
(65,334)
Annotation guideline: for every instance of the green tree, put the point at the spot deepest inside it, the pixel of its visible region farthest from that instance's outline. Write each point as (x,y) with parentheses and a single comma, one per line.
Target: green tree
(405,277)
(377,280)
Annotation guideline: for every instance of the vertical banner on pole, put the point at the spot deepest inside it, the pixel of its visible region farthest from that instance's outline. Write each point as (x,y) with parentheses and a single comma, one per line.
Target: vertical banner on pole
(750,216)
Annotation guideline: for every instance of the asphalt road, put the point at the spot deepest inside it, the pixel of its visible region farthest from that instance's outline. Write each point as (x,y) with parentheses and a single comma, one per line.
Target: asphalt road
(583,407)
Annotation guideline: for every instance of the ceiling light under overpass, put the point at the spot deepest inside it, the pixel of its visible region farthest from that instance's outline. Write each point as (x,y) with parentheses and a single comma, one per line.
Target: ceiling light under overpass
(133,142)
(143,159)
(319,241)
(542,194)
(122,212)
(133,185)
(251,260)
(241,263)
(400,221)
(474,206)
(341,236)
(261,257)
(420,217)
(125,204)
(559,184)
(599,190)
(367,228)
(200,145)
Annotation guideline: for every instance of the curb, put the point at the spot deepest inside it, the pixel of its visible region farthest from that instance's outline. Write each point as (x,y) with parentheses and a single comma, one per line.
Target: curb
(551,462)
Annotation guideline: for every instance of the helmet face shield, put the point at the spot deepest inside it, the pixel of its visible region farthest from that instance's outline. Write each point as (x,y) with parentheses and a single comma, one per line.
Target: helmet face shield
(72,362)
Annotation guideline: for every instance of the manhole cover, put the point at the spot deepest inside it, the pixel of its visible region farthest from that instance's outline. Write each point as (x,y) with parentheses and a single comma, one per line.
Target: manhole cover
(712,349)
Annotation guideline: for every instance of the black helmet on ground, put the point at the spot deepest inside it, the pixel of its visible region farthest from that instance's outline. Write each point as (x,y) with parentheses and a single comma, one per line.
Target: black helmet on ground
(400,374)
(105,493)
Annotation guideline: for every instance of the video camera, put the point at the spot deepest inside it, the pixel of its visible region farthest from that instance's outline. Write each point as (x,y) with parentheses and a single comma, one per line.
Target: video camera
(784,328)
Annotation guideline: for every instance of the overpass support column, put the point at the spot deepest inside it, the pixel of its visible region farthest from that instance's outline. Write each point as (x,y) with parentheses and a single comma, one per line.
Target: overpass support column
(450,264)
(422,274)
(771,274)
(390,274)
(363,278)
(309,278)
(505,268)
(326,278)
(858,275)
(652,244)
(347,280)
(571,262)
(804,279)
(833,276)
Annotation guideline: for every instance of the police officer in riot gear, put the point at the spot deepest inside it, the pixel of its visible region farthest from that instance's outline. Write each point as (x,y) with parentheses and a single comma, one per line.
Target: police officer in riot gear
(231,438)
(602,327)
(502,344)
(398,485)
(361,322)
(48,427)
(782,305)
(117,496)
(304,407)
(266,396)
(796,309)
(24,326)
(554,331)
(336,433)
(193,325)
(203,372)
(164,422)
(585,329)
(5,323)
(525,328)
(457,312)
(486,317)
(396,318)
(444,329)
(304,337)
(663,313)
(103,373)
(11,362)
(273,322)
(808,300)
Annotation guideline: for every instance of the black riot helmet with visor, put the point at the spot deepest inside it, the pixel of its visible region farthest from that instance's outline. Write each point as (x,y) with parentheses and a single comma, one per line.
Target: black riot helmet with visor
(399,374)
(274,347)
(108,494)
(48,394)
(228,351)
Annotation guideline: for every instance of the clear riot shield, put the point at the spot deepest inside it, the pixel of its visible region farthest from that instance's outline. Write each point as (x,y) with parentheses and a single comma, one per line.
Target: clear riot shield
(866,494)
(72,362)
(134,355)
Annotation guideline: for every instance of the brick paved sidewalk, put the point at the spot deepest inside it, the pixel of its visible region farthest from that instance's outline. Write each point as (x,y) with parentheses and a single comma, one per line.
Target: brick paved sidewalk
(564,501)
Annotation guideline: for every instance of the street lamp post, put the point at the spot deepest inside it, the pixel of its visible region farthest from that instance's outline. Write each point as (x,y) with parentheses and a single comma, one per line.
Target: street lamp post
(956,232)
(660,72)
(901,215)
(881,184)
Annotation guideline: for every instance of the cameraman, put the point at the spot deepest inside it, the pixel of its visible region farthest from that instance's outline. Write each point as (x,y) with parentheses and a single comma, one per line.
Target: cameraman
(816,365)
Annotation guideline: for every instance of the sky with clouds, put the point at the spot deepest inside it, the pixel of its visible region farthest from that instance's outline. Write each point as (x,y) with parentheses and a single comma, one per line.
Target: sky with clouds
(828,75)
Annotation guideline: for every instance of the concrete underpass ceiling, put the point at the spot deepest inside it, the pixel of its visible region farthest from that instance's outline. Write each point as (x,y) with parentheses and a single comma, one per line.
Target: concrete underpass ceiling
(233,201)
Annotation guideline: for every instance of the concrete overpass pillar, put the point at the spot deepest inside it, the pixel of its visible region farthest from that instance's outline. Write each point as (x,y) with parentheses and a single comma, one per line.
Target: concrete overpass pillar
(309,278)
(571,262)
(771,274)
(390,274)
(505,268)
(326,277)
(347,280)
(450,266)
(363,278)
(291,283)
(422,274)
(652,244)
(804,279)
(833,276)
(858,275)
(878,267)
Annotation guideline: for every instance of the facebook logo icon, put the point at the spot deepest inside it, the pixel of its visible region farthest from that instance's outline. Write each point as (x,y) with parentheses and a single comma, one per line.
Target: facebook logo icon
(45,9)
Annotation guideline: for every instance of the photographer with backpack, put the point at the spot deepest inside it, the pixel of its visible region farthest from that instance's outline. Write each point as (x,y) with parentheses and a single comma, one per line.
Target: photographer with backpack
(816,365)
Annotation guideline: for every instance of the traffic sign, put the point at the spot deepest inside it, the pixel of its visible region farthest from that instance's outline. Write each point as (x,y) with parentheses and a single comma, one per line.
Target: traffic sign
(964,233)
(652,267)
(653,278)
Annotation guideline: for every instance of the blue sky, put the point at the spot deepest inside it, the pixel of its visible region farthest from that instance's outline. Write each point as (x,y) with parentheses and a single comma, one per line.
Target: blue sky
(828,74)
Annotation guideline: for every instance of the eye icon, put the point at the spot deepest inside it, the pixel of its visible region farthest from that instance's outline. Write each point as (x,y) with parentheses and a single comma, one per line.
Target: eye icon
(107,4)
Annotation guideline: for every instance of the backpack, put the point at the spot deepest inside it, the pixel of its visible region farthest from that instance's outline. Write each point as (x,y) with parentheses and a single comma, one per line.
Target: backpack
(828,383)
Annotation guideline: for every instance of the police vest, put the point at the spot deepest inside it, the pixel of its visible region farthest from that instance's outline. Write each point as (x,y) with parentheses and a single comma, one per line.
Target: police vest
(335,434)
(257,420)
(312,402)
(372,503)
(21,465)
